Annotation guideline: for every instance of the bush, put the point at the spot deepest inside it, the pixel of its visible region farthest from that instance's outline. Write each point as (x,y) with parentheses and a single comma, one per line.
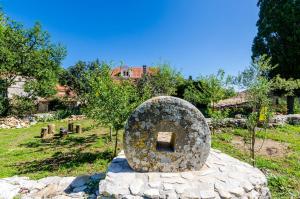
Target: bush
(3,106)
(21,106)
(62,114)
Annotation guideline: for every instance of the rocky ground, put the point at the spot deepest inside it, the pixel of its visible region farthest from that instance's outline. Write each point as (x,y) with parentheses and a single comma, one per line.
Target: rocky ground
(51,187)
(13,122)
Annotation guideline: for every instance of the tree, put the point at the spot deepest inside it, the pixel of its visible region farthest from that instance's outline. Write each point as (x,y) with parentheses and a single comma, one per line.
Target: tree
(110,101)
(77,76)
(258,87)
(30,54)
(278,37)
(163,81)
(209,90)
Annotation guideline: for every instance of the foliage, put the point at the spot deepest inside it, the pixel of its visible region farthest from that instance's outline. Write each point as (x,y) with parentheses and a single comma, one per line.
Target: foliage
(3,105)
(77,77)
(22,106)
(163,81)
(278,37)
(62,114)
(288,88)
(30,54)
(258,88)
(110,101)
(209,90)
(216,117)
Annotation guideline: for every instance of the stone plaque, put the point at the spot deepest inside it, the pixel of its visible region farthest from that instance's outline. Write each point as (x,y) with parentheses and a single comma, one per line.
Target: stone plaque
(166,134)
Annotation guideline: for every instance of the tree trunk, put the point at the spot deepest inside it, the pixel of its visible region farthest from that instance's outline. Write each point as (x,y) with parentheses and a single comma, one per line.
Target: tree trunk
(116,144)
(253,147)
(6,104)
(290,104)
(78,129)
(110,133)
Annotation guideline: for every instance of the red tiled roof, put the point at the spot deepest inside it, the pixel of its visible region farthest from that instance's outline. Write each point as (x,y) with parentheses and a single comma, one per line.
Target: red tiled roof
(64,91)
(135,71)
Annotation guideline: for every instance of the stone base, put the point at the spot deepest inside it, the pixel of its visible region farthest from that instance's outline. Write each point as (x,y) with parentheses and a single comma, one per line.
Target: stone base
(221,177)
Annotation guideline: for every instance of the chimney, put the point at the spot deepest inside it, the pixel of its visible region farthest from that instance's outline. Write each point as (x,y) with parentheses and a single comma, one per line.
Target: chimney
(144,69)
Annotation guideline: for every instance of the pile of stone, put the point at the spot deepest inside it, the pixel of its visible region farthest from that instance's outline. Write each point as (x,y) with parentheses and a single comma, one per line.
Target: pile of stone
(50,187)
(222,176)
(76,117)
(228,123)
(240,122)
(44,116)
(14,122)
(278,120)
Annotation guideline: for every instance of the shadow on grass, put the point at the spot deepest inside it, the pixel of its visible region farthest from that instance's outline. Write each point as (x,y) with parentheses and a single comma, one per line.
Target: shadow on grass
(58,141)
(63,160)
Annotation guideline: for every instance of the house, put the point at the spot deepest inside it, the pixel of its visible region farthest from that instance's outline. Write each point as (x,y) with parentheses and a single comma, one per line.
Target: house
(133,72)
(17,89)
(239,100)
(63,92)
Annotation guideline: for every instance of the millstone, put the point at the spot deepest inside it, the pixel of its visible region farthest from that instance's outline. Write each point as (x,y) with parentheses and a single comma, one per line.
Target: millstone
(166,134)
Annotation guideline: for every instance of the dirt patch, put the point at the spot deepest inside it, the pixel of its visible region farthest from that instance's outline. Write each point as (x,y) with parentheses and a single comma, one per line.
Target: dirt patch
(265,147)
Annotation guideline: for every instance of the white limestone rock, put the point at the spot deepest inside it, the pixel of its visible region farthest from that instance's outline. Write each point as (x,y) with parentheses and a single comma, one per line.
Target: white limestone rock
(236,179)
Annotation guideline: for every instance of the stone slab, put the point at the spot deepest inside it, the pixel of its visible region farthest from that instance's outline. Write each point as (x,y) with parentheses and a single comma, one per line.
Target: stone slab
(222,176)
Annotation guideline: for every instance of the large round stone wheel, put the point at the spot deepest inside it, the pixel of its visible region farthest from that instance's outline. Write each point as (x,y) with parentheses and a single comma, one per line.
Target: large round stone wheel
(166,134)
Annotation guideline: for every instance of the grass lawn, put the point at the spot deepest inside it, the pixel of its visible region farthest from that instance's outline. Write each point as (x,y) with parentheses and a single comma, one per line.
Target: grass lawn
(23,152)
(283,172)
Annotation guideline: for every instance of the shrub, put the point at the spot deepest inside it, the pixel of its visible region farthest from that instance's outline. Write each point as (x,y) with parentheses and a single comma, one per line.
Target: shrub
(21,106)
(3,106)
(62,114)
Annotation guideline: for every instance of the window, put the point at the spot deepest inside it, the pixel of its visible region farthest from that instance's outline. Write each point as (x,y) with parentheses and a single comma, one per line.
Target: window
(165,141)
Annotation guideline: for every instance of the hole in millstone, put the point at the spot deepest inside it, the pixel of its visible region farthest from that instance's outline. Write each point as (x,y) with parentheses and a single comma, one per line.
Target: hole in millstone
(165,141)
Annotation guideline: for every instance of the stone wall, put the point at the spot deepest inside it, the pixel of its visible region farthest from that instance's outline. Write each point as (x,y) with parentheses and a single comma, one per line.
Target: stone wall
(276,120)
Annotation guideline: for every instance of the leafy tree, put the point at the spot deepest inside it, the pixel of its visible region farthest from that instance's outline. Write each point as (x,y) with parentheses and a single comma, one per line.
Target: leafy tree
(278,37)
(22,106)
(255,80)
(164,81)
(28,53)
(77,77)
(209,90)
(110,101)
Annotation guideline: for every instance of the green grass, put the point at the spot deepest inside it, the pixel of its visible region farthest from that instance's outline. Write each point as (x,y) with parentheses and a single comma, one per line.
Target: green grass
(23,152)
(283,173)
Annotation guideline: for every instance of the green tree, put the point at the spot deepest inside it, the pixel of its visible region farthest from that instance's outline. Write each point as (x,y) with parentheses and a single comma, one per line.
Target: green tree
(77,77)
(209,90)
(28,53)
(110,101)
(255,80)
(278,37)
(163,81)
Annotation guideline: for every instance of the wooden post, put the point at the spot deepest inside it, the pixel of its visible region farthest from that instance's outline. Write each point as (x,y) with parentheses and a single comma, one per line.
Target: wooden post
(78,128)
(44,132)
(71,127)
(51,129)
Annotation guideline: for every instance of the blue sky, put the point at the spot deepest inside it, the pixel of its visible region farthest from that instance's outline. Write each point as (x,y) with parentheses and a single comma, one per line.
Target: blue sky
(195,36)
